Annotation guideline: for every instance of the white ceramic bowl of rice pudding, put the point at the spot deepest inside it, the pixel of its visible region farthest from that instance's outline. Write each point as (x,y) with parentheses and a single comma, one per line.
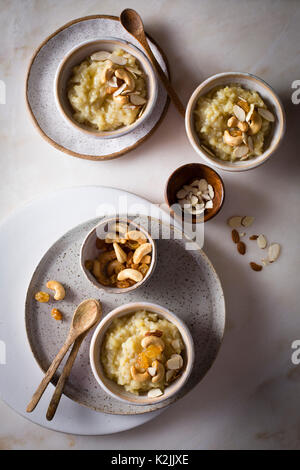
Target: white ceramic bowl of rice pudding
(105,88)
(235,121)
(141,353)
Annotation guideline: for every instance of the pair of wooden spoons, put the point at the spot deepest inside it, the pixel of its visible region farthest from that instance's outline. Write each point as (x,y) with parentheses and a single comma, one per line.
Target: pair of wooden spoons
(86,315)
(133,24)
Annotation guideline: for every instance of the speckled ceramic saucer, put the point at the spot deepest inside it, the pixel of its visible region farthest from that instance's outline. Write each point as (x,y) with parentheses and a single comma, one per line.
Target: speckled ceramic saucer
(184,281)
(40,95)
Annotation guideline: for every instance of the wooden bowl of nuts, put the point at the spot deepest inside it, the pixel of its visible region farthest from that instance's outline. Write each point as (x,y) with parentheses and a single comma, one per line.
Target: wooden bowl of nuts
(134,330)
(195,193)
(118,255)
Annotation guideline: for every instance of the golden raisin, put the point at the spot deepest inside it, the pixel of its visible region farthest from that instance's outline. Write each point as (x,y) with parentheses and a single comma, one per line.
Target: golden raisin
(143,362)
(152,352)
(143,268)
(56,314)
(100,244)
(123,284)
(89,265)
(42,297)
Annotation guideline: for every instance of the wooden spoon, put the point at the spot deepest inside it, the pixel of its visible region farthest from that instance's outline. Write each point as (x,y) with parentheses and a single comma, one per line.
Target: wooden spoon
(86,315)
(133,24)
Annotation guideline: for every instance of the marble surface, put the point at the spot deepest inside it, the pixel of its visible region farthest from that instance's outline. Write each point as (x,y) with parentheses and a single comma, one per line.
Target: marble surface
(250,397)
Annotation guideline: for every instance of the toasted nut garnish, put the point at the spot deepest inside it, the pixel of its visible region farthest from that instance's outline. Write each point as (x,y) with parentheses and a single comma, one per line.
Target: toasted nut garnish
(160,371)
(170,374)
(232,122)
(273,252)
(157,333)
(231,140)
(239,113)
(127,77)
(100,55)
(266,114)
(261,241)
(255,267)
(154,393)
(241,247)
(255,123)
(141,251)
(175,362)
(176,344)
(247,221)
(235,222)
(58,289)
(130,273)
(243,104)
(135,235)
(42,297)
(121,99)
(138,376)
(235,236)
(147,340)
(120,254)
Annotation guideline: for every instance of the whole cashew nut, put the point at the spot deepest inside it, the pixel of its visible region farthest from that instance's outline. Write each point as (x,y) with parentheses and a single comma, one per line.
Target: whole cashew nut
(147,340)
(234,122)
(139,376)
(120,254)
(127,78)
(160,371)
(58,289)
(130,273)
(135,235)
(255,123)
(231,140)
(141,251)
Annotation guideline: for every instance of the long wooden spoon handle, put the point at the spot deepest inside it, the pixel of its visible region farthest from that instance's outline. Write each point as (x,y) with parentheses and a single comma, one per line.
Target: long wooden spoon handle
(170,90)
(49,374)
(63,378)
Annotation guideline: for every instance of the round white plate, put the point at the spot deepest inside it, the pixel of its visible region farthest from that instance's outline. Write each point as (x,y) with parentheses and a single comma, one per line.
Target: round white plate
(41,98)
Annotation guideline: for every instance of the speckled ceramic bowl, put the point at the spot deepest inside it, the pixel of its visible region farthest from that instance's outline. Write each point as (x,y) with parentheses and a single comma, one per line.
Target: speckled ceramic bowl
(89,251)
(250,82)
(117,391)
(80,53)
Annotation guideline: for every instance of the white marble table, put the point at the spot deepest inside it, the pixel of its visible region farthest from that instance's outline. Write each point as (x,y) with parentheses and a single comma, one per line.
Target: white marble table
(250,398)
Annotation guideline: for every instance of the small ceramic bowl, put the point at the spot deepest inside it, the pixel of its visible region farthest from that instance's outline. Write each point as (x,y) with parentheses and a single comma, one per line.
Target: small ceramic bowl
(82,52)
(250,82)
(184,175)
(117,391)
(89,251)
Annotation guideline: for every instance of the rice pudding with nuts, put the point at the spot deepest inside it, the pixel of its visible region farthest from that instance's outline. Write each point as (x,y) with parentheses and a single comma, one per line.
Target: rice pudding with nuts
(232,123)
(108,90)
(142,352)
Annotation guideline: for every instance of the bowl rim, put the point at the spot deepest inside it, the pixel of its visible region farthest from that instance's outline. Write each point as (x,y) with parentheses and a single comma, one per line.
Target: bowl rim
(122,130)
(207,216)
(224,165)
(117,312)
(110,289)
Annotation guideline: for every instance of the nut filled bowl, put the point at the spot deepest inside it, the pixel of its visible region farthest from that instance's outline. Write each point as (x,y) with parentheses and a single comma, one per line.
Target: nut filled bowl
(118,255)
(128,335)
(105,88)
(235,121)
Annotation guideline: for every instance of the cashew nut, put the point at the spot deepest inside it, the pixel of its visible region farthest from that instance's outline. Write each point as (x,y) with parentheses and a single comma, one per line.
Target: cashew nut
(234,122)
(147,340)
(127,78)
(120,254)
(114,267)
(255,123)
(129,273)
(135,235)
(243,126)
(141,251)
(58,289)
(139,376)
(160,371)
(231,140)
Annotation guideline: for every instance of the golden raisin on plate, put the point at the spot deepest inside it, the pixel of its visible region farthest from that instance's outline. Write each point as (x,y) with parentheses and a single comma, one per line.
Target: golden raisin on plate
(56,314)
(42,297)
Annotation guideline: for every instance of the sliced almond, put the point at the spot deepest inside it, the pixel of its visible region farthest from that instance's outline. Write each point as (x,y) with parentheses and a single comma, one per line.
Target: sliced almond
(243,104)
(207,150)
(142,110)
(247,221)
(152,371)
(137,100)
(239,113)
(250,143)
(255,266)
(118,59)
(169,375)
(209,205)
(273,252)
(176,344)
(181,194)
(134,70)
(235,222)
(211,191)
(155,392)
(261,241)
(241,151)
(119,90)
(175,362)
(194,200)
(266,114)
(251,111)
(101,55)
(265,261)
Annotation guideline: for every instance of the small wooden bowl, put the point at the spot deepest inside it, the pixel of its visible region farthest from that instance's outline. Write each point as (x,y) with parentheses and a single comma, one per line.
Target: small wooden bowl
(186,174)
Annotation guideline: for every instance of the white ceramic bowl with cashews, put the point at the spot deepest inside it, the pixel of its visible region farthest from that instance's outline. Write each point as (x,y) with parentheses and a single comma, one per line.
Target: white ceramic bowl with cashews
(212,123)
(118,391)
(107,261)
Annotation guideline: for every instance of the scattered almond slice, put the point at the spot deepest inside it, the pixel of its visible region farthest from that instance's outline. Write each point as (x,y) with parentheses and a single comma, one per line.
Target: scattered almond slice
(175,362)
(266,114)
(235,222)
(250,144)
(170,374)
(247,221)
(209,205)
(207,150)
(142,111)
(239,113)
(261,241)
(249,115)
(273,252)
(265,261)
(241,151)
(155,392)
(117,59)
(119,90)
(176,344)
(101,55)
(211,191)
(152,371)
(137,100)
